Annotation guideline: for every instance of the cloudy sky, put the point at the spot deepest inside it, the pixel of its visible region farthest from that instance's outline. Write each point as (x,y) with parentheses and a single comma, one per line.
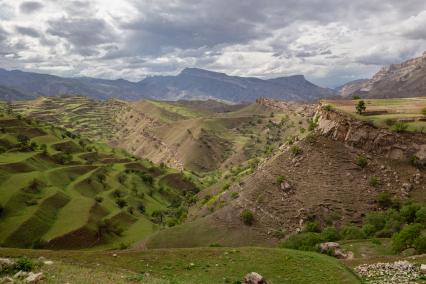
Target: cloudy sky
(329,41)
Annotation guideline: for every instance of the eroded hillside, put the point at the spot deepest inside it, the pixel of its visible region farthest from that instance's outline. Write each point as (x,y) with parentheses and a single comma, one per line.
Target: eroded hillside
(199,136)
(334,176)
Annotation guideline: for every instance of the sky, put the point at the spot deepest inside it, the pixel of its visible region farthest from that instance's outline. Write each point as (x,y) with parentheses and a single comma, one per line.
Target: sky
(329,41)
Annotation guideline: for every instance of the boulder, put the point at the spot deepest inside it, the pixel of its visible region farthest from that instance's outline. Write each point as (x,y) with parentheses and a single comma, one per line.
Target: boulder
(423,268)
(6,264)
(254,278)
(6,280)
(34,277)
(325,247)
(21,274)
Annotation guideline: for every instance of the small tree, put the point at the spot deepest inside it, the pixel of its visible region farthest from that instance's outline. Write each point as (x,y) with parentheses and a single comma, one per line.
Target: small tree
(247,217)
(360,107)
(424,111)
(23,139)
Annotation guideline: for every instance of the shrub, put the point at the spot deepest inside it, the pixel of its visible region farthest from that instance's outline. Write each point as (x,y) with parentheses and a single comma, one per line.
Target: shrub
(424,111)
(121,203)
(235,195)
(390,122)
(280,179)
(385,199)
(406,237)
(409,211)
(356,98)
(330,234)
(352,233)
(374,181)
(369,230)
(376,219)
(248,217)
(99,199)
(141,208)
(362,161)
(296,150)
(360,107)
(303,241)
(313,226)
(420,215)
(400,127)
(2,150)
(420,244)
(327,107)
(23,139)
(24,263)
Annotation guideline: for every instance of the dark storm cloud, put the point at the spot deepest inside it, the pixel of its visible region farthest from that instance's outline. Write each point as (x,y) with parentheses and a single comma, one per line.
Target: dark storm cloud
(29,7)
(27,31)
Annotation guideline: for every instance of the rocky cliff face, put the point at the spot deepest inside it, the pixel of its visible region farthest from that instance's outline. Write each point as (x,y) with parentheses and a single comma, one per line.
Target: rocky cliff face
(359,134)
(407,79)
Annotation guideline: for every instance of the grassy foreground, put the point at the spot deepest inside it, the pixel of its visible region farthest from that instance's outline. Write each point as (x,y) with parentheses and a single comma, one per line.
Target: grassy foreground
(200,265)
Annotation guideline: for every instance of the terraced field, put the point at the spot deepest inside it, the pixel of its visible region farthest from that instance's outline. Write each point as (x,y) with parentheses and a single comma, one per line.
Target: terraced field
(199,136)
(387,113)
(60,190)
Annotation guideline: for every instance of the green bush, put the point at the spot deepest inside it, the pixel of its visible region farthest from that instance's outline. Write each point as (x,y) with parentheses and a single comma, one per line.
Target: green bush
(327,107)
(296,150)
(330,234)
(248,217)
(369,230)
(352,232)
(424,111)
(374,181)
(390,121)
(24,263)
(313,226)
(385,199)
(356,98)
(400,127)
(376,219)
(409,211)
(420,215)
(420,244)
(303,241)
(360,107)
(362,161)
(406,237)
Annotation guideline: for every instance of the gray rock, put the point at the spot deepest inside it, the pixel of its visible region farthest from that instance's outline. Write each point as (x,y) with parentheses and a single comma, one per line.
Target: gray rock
(6,263)
(254,278)
(6,280)
(34,277)
(21,274)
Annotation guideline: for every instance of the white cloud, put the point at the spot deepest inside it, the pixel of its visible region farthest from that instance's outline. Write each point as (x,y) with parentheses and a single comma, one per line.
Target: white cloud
(330,41)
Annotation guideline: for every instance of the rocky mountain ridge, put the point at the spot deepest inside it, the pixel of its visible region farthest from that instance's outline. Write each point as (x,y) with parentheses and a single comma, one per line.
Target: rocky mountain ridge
(190,84)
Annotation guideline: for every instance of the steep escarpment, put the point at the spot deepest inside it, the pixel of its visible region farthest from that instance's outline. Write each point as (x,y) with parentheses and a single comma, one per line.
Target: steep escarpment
(406,79)
(379,141)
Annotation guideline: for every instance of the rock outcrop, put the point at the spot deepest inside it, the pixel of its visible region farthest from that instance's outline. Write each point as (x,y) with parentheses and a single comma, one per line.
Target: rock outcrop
(407,79)
(361,135)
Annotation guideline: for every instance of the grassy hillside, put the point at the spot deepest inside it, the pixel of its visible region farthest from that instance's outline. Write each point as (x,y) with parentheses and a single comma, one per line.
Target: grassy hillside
(60,190)
(199,136)
(200,266)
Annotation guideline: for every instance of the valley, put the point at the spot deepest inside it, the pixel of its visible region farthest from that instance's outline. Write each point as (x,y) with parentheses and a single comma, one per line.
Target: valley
(152,179)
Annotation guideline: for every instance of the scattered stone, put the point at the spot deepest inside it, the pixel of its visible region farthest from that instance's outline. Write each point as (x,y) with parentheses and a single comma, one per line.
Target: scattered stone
(399,272)
(48,262)
(114,255)
(34,277)
(335,249)
(407,186)
(21,274)
(6,280)
(254,278)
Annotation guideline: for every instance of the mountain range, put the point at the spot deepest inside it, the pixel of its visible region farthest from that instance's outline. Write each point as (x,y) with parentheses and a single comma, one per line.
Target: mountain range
(191,83)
